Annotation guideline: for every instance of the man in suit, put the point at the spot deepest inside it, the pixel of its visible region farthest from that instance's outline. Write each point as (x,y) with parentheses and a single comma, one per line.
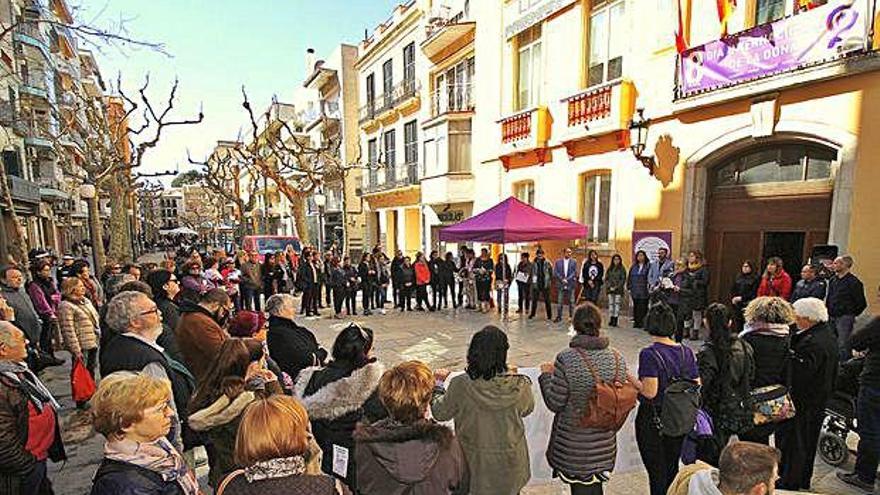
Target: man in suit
(565,271)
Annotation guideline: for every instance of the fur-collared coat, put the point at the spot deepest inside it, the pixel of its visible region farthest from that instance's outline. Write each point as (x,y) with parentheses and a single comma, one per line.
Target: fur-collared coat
(337,398)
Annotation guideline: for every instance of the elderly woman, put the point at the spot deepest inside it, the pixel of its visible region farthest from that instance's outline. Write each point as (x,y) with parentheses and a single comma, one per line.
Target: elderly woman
(79,322)
(813,372)
(278,453)
(580,455)
(766,329)
(340,395)
(237,377)
(488,404)
(45,296)
(133,412)
(407,440)
(193,278)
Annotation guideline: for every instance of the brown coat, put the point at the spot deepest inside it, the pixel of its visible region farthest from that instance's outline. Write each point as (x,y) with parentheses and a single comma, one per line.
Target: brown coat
(78,321)
(199,338)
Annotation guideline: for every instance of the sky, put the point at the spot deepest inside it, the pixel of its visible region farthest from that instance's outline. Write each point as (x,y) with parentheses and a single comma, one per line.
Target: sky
(216,47)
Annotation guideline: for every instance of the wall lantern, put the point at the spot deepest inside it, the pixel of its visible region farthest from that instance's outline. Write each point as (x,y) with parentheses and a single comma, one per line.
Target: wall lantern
(638,138)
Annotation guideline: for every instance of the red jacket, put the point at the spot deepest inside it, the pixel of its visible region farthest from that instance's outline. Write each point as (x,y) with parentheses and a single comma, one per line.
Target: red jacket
(423,274)
(779,285)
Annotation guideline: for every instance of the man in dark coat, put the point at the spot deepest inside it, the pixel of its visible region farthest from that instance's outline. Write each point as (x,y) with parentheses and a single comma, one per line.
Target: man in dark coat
(867,340)
(813,375)
(810,285)
(200,332)
(308,276)
(293,347)
(846,300)
(29,425)
(396,277)
(26,317)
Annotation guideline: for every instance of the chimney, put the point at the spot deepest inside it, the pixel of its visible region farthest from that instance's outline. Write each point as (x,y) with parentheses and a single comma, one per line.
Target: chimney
(310,62)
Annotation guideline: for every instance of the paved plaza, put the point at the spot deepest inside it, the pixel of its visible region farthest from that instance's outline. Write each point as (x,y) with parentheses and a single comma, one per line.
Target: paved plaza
(440,339)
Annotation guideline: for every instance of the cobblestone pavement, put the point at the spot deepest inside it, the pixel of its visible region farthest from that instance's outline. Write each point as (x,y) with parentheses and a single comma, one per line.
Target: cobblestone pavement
(441,340)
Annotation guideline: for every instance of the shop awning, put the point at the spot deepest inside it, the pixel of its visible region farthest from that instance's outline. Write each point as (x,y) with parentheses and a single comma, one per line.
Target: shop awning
(513,221)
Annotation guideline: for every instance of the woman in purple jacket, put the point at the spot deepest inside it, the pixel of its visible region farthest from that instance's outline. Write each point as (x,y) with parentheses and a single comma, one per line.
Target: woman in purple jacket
(45,296)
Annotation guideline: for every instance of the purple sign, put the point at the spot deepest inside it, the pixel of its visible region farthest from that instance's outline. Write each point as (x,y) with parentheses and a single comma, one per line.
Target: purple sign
(815,36)
(651,241)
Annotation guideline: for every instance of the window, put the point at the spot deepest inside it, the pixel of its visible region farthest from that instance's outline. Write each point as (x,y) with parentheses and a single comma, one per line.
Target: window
(525,5)
(454,88)
(371,89)
(769,11)
(597,206)
(607,32)
(529,60)
(371,160)
(780,163)
(390,155)
(387,81)
(525,192)
(409,63)
(410,143)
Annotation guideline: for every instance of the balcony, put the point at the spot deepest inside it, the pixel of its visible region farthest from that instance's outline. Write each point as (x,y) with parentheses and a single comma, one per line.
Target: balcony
(794,50)
(397,177)
(524,137)
(29,33)
(402,100)
(38,133)
(23,190)
(605,110)
(445,33)
(455,98)
(329,112)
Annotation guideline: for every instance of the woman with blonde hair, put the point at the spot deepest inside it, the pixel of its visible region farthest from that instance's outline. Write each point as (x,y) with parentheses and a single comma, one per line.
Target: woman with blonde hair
(134,414)
(79,323)
(278,453)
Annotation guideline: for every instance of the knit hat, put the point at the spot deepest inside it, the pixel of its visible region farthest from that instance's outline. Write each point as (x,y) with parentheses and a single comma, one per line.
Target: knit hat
(246,324)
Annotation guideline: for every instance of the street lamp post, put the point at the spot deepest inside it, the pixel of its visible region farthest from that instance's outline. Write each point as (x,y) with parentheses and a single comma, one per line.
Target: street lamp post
(320,202)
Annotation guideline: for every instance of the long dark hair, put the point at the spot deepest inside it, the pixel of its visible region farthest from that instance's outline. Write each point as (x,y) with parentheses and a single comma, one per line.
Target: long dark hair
(619,259)
(352,346)
(720,340)
(487,353)
(226,374)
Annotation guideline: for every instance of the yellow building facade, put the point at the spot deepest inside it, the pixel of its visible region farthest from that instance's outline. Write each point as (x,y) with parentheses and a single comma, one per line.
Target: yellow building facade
(757,149)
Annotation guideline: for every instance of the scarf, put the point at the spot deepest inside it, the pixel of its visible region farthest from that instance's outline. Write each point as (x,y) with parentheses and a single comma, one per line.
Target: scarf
(276,468)
(695,265)
(28,382)
(92,290)
(159,456)
(761,328)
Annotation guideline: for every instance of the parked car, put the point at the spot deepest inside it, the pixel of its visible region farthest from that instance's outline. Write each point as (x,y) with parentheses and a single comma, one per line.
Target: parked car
(263,244)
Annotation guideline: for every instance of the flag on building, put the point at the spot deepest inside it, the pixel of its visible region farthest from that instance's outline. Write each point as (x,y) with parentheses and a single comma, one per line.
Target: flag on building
(725,10)
(681,39)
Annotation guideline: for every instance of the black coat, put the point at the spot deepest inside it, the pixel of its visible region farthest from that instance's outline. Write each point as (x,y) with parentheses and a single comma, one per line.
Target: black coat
(746,287)
(396,266)
(407,276)
(813,366)
(695,288)
(867,338)
(293,347)
(367,279)
(846,296)
(771,356)
(435,266)
(122,478)
(725,390)
(447,272)
(817,288)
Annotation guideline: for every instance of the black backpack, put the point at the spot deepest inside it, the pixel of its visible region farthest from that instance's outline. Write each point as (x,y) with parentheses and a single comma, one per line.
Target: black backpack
(681,400)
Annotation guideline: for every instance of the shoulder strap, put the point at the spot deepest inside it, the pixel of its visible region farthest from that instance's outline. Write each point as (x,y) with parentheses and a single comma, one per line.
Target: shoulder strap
(596,378)
(226,481)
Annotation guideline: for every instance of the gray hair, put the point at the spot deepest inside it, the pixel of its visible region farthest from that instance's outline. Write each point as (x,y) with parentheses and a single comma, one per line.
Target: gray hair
(115,282)
(812,309)
(122,310)
(275,304)
(7,330)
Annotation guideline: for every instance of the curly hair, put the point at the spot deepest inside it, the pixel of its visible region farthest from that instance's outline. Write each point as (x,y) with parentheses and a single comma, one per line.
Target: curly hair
(769,310)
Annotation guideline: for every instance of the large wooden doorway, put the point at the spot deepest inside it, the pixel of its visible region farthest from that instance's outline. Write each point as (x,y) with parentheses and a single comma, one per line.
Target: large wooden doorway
(769,201)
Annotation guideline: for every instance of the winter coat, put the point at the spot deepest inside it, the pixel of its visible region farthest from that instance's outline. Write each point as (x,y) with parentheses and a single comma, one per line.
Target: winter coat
(695,288)
(446,272)
(170,312)
(503,273)
(593,272)
(368,280)
(220,420)
(725,392)
(483,269)
(78,322)
(695,479)
(434,265)
(423,458)
(615,280)
(123,478)
(526,268)
(541,276)
(577,452)
(26,317)
(746,287)
(302,484)
(273,279)
(771,355)
(15,460)
(867,338)
(407,276)
(423,273)
(199,338)
(45,298)
(488,417)
(396,265)
(813,366)
(637,283)
(251,275)
(293,347)
(779,285)
(846,296)
(337,397)
(817,288)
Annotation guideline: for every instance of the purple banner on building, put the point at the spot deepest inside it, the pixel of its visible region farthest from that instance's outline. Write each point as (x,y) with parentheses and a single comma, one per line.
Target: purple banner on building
(651,241)
(808,38)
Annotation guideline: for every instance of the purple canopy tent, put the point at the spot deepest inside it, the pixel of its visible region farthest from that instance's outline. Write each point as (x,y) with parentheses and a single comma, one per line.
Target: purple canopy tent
(513,221)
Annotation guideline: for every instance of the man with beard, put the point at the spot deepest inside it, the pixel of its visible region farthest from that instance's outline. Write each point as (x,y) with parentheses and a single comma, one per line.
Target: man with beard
(136,323)
(200,332)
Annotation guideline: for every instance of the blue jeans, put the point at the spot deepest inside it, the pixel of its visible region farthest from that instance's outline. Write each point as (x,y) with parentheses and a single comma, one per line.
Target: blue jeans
(869,433)
(565,296)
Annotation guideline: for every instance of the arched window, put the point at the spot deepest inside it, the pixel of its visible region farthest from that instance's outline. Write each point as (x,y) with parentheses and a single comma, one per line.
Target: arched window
(791,162)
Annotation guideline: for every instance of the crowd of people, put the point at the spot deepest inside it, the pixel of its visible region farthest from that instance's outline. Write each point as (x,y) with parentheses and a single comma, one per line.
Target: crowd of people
(185,357)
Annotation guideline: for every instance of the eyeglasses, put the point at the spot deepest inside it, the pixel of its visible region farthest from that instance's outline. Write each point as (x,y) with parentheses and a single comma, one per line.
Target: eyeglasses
(155,310)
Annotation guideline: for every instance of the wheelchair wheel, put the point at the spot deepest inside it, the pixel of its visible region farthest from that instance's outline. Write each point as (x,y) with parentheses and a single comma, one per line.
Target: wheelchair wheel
(833,449)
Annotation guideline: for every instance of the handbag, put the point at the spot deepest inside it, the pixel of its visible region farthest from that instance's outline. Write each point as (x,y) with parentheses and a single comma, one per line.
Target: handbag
(82,385)
(522,277)
(772,404)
